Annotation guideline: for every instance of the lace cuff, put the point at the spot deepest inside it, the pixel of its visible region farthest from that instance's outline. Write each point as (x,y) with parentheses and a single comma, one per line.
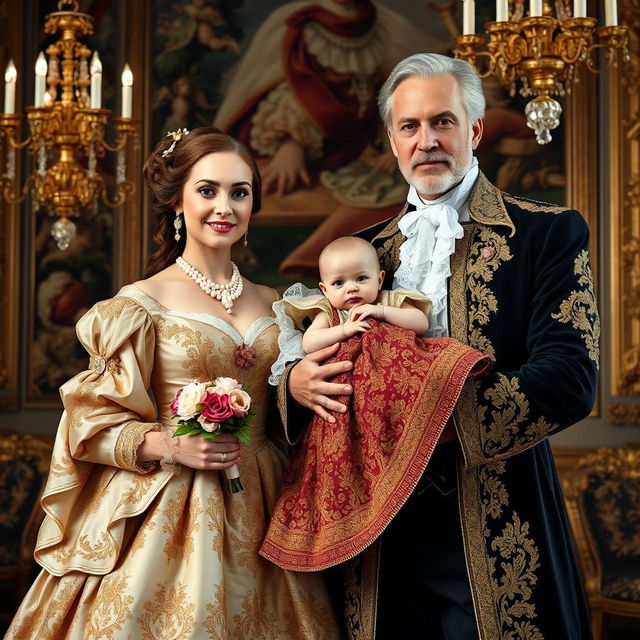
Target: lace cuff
(290,338)
(279,117)
(131,437)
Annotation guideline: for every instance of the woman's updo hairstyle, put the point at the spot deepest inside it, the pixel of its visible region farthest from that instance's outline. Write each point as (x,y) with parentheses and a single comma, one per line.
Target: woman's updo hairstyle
(166,176)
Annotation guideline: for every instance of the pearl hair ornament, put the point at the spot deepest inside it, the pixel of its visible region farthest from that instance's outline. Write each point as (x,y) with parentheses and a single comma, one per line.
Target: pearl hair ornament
(177,136)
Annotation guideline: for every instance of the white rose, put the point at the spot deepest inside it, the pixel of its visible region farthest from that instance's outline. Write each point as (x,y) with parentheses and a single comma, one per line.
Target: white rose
(239,401)
(192,395)
(208,426)
(225,386)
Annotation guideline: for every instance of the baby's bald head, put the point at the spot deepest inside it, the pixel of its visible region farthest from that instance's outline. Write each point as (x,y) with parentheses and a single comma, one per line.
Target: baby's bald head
(350,272)
(348,246)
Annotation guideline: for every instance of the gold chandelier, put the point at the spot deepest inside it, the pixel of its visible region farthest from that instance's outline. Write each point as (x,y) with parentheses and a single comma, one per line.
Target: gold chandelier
(541,51)
(67,128)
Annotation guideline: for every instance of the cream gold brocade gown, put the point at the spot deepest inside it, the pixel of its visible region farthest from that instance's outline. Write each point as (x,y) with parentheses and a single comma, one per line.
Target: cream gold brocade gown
(134,552)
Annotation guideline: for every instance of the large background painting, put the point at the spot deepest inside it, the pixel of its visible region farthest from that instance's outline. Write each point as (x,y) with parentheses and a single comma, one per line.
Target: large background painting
(297,82)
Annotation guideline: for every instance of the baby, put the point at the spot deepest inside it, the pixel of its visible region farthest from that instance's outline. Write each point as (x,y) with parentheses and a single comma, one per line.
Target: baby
(347,479)
(351,280)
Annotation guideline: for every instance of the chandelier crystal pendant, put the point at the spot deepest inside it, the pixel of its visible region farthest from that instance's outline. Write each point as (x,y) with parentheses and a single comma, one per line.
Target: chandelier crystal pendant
(541,52)
(67,128)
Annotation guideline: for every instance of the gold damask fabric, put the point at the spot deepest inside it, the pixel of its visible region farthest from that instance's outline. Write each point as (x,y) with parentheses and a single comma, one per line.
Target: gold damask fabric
(132,551)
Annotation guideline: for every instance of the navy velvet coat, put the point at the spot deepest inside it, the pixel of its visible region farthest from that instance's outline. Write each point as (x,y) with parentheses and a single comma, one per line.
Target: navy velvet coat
(521,291)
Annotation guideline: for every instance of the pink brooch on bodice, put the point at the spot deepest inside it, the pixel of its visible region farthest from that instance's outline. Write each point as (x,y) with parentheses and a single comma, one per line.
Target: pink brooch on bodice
(487,252)
(245,356)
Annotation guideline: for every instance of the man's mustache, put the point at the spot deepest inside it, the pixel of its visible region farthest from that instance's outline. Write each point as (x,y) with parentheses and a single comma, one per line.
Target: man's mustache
(434,156)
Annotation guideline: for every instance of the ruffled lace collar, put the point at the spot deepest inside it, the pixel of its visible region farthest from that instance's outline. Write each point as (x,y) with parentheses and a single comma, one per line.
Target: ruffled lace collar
(431,231)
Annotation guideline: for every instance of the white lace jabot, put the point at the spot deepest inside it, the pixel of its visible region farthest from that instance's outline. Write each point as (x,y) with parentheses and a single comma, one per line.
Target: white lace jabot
(431,231)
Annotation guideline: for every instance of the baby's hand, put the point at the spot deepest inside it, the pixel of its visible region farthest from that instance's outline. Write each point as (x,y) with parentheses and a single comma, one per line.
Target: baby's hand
(352,326)
(367,311)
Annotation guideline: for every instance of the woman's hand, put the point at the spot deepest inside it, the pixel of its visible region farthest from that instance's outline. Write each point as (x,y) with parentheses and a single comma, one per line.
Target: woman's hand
(207,454)
(308,384)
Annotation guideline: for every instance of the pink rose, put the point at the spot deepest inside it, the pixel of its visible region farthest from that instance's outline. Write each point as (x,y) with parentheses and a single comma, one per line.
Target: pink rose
(239,401)
(174,404)
(215,407)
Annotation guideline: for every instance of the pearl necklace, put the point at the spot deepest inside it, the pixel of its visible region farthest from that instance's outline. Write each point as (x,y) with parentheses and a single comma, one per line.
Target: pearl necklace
(226,293)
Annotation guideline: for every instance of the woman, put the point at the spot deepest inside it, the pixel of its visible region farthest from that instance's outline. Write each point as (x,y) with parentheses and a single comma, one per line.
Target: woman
(140,540)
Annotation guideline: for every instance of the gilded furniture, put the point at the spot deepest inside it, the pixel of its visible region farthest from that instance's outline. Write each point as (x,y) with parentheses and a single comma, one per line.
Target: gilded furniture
(602,494)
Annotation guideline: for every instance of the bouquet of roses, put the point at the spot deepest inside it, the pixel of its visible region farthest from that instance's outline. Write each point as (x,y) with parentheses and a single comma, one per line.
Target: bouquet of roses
(214,407)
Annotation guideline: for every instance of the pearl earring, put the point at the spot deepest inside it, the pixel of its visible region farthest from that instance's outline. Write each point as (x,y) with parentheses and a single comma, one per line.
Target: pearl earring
(246,241)
(177,223)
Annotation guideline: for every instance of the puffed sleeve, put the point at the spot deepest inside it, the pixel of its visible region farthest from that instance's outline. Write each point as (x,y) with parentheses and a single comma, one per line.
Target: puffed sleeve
(510,410)
(107,407)
(395,298)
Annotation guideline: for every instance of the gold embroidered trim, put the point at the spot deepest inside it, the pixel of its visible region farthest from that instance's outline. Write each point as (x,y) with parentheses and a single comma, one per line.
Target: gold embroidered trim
(282,400)
(581,309)
(509,414)
(486,205)
(130,438)
(361,593)
(534,206)
(488,252)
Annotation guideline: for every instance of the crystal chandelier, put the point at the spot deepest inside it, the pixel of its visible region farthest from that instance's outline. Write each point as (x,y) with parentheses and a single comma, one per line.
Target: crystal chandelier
(67,128)
(541,51)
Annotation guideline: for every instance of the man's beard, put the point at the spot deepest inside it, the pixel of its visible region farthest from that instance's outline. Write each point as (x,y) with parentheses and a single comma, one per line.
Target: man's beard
(436,185)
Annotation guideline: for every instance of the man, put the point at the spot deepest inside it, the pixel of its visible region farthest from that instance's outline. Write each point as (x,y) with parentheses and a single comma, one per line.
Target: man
(482,548)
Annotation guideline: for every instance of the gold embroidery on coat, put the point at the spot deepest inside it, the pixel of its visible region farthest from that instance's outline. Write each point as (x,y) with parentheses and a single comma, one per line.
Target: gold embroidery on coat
(513,579)
(534,206)
(509,412)
(170,615)
(480,271)
(486,205)
(581,309)
(112,608)
(519,561)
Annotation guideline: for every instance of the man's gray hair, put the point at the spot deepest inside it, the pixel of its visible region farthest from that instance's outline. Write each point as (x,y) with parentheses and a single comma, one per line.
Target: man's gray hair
(427,65)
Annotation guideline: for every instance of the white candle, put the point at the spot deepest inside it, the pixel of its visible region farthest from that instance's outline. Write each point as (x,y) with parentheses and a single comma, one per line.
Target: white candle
(579,8)
(610,13)
(468,17)
(535,8)
(96,81)
(502,10)
(127,92)
(41,77)
(10,78)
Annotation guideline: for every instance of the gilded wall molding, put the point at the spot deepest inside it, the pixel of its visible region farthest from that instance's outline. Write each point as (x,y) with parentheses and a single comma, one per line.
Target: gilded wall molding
(624,213)
(10,47)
